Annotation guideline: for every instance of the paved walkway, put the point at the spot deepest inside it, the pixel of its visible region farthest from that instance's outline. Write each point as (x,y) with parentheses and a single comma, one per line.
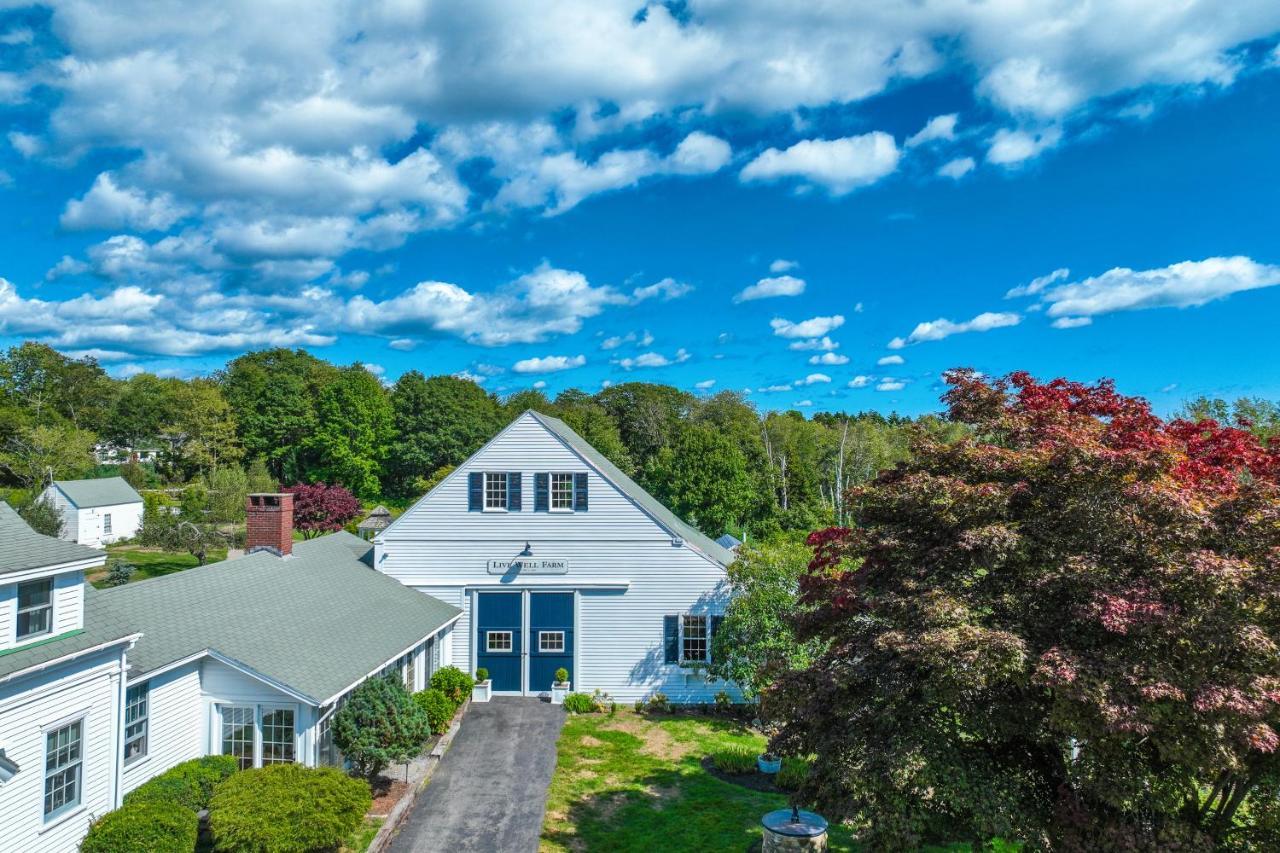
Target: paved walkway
(490,790)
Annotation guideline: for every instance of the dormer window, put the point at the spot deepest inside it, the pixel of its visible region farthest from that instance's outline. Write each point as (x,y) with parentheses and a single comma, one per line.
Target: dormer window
(35,608)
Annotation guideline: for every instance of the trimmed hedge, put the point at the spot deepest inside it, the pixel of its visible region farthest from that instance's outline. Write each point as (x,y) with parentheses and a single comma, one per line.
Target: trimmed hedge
(438,708)
(286,808)
(150,825)
(189,784)
(455,683)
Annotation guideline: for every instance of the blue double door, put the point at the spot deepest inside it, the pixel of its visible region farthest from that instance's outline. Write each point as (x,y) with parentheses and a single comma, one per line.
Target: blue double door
(522,654)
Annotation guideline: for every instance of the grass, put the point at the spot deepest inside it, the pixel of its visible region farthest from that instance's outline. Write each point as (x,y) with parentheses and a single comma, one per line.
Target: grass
(151,562)
(736,759)
(363,836)
(632,782)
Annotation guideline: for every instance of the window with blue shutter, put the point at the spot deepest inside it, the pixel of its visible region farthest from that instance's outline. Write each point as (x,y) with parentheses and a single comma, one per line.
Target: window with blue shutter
(515,499)
(475,491)
(541,493)
(580,492)
(671,639)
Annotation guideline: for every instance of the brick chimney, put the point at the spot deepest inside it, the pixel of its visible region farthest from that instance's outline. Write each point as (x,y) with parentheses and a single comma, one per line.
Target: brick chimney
(269,523)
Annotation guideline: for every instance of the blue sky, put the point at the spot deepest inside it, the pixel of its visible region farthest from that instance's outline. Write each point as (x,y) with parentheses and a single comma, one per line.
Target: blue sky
(827,209)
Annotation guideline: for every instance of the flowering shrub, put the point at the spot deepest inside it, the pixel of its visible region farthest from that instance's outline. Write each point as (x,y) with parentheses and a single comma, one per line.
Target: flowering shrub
(1063,628)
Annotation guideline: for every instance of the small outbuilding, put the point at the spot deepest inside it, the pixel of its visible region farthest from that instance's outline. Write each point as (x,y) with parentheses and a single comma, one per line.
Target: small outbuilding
(96,512)
(378,520)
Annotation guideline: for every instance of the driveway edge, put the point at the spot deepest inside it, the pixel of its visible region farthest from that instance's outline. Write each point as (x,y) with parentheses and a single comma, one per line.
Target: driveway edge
(402,808)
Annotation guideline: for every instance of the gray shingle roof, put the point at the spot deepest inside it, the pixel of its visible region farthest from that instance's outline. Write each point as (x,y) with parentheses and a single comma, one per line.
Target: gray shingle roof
(632,489)
(42,652)
(21,548)
(317,621)
(105,491)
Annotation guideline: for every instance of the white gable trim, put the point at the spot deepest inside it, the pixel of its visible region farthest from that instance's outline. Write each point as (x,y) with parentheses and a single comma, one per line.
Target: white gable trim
(52,569)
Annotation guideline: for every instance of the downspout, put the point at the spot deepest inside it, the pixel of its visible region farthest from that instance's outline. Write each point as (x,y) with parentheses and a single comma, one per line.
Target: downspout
(117,778)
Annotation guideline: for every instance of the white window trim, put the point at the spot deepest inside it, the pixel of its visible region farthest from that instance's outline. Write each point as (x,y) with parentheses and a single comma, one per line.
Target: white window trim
(551,492)
(17,611)
(484,491)
(706,637)
(50,821)
(260,709)
(488,643)
(263,711)
(106,524)
(544,634)
(145,719)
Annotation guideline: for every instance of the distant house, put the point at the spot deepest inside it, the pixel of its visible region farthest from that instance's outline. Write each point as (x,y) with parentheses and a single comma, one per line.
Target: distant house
(101,690)
(96,512)
(115,454)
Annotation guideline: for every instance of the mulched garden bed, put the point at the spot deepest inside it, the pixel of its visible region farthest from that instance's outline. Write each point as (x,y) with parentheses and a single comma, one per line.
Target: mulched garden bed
(386,793)
(756,781)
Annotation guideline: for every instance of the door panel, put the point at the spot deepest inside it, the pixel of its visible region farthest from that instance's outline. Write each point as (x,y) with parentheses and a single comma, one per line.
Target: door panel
(550,638)
(498,638)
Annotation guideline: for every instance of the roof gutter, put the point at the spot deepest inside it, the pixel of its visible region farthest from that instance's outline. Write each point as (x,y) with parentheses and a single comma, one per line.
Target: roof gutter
(130,639)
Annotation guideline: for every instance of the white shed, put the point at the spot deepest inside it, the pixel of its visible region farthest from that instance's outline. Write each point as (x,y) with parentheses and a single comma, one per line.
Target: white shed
(96,512)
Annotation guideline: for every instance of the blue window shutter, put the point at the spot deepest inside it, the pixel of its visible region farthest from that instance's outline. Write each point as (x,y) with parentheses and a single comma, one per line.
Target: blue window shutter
(671,639)
(541,493)
(515,499)
(475,491)
(711,638)
(580,492)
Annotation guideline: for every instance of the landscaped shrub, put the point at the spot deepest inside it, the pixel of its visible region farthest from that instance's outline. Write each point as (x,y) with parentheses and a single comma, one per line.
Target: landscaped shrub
(724,701)
(580,703)
(380,724)
(792,775)
(482,674)
(436,705)
(455,683)
(118,572)
(562,675)
(286,808)
(189,784)
(150,825)
(734,759)
(658,704)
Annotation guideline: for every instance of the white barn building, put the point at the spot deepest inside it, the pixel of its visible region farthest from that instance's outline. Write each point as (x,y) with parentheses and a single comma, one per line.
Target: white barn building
(96,512)
(557,558)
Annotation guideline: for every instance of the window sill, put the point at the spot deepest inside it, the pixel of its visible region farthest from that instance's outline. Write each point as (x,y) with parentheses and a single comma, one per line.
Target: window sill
(138,761)
(498,509)
(61,818)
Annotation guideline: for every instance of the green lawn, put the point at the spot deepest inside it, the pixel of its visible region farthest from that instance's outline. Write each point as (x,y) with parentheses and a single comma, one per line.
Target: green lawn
(151,562)
(363,836)
(635,783)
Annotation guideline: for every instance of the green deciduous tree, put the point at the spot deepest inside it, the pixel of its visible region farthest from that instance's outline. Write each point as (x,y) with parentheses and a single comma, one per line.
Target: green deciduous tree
(353,432)
(702,476)
(34,456)
(439,421)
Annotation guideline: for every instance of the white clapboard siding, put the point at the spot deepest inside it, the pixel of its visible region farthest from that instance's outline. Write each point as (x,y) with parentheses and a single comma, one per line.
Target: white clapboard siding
(626,566)
(87,688)
(68,602)
(226,685)
(126,520)
(174,730)
(70,515)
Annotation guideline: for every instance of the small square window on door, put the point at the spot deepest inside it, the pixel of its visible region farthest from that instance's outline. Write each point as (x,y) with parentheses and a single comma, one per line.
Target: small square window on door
(551,641)
(497,641)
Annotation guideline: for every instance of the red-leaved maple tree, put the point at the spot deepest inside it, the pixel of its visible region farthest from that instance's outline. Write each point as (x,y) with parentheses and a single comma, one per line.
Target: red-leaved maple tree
(1062,629)
(319,508)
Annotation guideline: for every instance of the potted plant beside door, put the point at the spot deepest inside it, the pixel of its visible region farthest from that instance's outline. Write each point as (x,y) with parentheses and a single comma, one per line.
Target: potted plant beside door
(481,691)
(560,687)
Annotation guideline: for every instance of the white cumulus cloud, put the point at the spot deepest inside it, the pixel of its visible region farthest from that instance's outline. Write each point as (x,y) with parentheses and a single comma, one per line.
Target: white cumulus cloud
(936,330)
(839,165)
(814,327)
(549,364)
(829,358)
(765,288)
(890,359)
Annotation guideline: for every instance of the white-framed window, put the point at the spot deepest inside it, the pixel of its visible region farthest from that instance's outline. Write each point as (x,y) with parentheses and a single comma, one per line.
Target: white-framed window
(35,608)
(106,524)
(497,641)
(238,733)
(409,670)
(551,641)
(561,492)
(694,645)
(136,711)
(63,765)
(278,736)
(495,490)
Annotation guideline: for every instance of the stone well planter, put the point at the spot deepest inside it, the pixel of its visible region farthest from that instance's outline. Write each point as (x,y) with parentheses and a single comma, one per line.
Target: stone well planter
(793,829)
(482,690)
(559,690)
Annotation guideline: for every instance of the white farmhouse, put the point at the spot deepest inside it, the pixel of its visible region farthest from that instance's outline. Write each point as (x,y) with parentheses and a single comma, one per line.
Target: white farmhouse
(101,690)
(558,559)
(96,512)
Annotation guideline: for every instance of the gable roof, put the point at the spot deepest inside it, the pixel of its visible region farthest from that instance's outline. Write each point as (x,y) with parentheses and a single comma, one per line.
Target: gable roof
(729,541)
(22,549)
(105,491)
(647,502)
(317,622)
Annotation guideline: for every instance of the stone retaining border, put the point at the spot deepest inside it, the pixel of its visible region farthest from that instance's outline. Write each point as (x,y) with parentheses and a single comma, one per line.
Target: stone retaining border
(389,826)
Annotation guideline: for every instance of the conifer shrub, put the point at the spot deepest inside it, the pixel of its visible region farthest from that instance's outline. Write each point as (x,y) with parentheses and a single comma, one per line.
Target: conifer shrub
(286,808)
(379,725)
(151,825)
(189,784)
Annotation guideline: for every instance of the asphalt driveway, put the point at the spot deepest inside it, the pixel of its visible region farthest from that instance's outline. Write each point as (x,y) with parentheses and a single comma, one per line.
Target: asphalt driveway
(490,790)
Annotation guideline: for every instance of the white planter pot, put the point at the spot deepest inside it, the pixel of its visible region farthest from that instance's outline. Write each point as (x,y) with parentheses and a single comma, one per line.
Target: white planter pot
(559,690)
(482,690)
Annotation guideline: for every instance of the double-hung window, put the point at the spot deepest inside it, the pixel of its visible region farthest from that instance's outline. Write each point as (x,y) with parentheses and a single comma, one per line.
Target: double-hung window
(136,712)
(694,642)
(562,492)
(495,490)
(35,608)
(409,670)
(106,524)
(63,763)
